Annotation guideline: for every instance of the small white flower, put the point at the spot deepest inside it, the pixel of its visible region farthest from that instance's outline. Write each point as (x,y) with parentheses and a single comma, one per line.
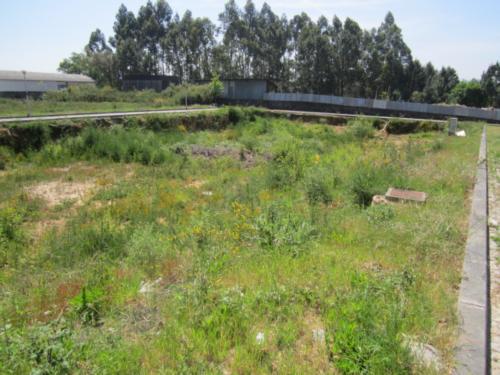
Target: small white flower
(260,338)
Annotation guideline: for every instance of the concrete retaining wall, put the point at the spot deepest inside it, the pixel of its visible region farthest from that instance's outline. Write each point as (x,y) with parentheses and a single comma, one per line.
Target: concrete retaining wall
(472,351)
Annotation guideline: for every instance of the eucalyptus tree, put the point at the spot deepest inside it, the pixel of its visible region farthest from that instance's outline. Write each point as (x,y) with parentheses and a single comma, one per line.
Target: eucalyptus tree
(125,42)
(490,83)
(348,49)
(371,65)
(232,28)
(298,54)
(97,61)
(273,35)
(153,21)
(188,47)
(395,55)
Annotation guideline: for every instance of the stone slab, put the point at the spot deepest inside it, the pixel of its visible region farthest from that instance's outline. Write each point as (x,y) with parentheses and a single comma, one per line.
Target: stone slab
(398,195)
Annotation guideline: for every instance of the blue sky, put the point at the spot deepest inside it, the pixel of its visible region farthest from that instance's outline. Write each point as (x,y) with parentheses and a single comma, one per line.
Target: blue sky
(37,34)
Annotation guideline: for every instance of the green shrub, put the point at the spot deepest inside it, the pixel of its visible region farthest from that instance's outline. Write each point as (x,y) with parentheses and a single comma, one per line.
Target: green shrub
(118,144)
(361,129)
(319,184)
(397,126)
(380,213)
(280,226)
(12,239)
(364,329)
(87,306)
(145,248)
(235,115)
(41,349)
(5,157)
(25,137)
(369,179)
(173,95)
(286,166)
(437,145)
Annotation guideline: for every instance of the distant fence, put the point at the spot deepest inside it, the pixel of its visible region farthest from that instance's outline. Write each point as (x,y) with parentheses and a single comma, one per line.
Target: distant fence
(376,106)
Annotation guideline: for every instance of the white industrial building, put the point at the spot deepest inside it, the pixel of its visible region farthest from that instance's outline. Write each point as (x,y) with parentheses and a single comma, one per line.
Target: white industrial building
(17,83)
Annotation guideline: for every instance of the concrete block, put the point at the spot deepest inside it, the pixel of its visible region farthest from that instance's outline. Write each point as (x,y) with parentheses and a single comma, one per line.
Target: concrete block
(452,125)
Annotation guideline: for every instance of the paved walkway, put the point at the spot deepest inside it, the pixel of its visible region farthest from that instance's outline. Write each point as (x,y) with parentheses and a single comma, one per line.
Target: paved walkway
(494,227)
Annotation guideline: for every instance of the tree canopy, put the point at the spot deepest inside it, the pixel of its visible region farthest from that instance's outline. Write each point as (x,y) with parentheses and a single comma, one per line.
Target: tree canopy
(326,56)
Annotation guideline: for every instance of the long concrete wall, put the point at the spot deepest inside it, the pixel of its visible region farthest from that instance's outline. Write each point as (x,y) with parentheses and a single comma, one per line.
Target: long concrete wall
(375,106)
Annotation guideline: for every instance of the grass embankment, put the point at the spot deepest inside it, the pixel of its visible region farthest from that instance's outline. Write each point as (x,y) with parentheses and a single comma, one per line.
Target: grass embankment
(82,99)
(18,108)
(247,249)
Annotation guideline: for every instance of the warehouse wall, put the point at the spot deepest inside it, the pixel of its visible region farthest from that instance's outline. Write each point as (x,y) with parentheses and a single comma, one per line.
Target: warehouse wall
(244,89)
(11,86)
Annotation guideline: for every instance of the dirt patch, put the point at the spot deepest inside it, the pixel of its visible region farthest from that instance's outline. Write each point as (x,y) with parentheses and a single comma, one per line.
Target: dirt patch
(57,192)
(76,167)
(311,345)
(248,158)
(46,225)
(60,169)
(196,184)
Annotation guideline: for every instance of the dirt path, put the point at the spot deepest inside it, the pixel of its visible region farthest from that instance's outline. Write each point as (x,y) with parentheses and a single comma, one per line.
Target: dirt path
(494,221)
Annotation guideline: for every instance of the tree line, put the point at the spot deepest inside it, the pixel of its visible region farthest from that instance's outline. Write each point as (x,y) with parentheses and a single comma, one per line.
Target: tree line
(298,54)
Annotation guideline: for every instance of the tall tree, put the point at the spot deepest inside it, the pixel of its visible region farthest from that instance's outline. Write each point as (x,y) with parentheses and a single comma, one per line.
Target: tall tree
(128,49)
(490,83)
(395,55)
(298,54)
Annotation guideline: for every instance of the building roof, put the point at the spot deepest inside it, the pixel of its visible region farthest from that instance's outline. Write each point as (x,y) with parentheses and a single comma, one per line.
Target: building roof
(17,75)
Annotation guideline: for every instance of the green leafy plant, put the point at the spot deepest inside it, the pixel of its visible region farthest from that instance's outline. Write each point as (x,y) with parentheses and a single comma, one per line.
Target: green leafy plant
(41,349)
(286,166)
(319,184)
(361,129)
(280,227)
(87,305)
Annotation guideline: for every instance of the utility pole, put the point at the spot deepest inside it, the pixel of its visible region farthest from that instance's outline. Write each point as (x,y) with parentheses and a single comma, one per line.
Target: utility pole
(186,92)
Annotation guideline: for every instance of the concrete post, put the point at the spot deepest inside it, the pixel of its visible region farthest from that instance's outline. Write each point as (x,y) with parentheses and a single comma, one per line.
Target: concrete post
(452,125)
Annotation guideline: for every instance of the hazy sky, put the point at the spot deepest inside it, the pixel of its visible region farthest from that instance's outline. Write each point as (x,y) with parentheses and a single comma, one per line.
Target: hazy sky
(37,34)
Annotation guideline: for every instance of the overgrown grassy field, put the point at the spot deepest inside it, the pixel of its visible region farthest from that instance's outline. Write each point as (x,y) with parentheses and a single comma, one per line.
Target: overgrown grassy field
(81,99)
(248,249)
(16,107)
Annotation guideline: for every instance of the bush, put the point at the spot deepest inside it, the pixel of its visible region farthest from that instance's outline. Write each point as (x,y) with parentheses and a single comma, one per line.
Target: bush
(396,126)
(11,235)
(25,137)
(469,93)
(364,328)
(41,349)
(235,115)
(145,248)
(286,166)
(87,305)
(5,157)
(280,226)
(369,179)
(173,95)
(380,213)
(319,184)
(118,144)
(361,129)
